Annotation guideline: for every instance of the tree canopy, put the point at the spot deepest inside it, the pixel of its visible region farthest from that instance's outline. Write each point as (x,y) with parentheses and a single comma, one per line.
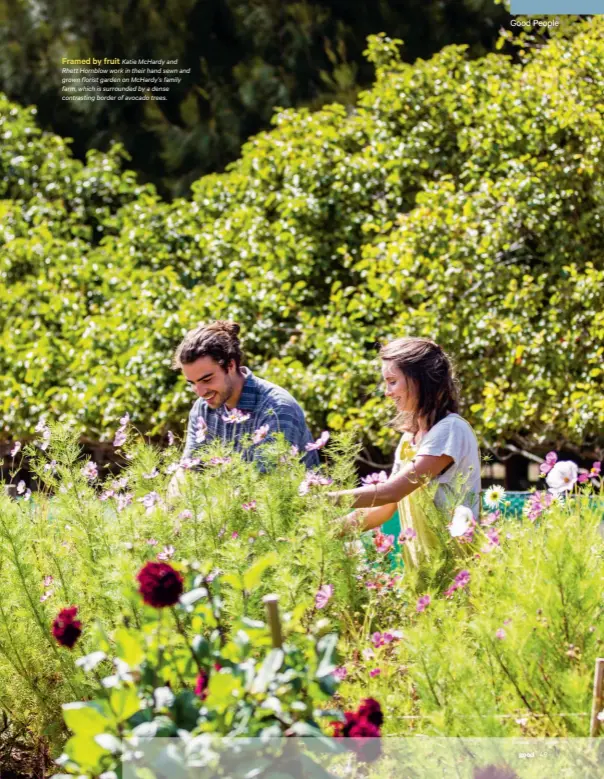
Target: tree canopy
(460,199)
(244,58)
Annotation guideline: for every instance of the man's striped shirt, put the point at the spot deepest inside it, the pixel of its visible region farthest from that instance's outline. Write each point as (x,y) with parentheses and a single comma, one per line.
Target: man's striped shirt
(266,404)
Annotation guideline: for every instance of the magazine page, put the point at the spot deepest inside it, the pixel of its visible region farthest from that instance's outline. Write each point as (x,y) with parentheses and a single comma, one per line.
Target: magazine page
(301,361)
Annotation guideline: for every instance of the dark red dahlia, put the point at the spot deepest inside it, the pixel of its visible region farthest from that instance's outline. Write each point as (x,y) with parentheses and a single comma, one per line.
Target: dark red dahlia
(365,740)
(495,772)
(159,584)
(201,685)
(66,628)
(371,710)
(363,728)
(342,729)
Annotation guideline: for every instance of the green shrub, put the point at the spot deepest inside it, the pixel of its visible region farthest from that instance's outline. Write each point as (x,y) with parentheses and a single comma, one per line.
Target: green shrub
(459,200)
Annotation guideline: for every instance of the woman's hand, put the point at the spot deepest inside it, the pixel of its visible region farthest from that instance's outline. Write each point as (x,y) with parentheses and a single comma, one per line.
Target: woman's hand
(348,524)
(364,519)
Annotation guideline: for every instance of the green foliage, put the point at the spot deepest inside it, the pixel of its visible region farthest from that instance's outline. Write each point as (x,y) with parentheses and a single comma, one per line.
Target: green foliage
(461,200)
(182,681)
(81,542)
(511,653)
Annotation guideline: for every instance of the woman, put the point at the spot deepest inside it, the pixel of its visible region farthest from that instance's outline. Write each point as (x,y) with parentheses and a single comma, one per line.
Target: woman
(437,462)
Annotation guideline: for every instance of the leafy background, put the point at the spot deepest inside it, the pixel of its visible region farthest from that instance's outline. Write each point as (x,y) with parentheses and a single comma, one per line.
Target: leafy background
(460,198)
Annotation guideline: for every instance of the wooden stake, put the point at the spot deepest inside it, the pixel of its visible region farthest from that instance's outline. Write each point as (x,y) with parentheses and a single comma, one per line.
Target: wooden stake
(272,612)
(597,697)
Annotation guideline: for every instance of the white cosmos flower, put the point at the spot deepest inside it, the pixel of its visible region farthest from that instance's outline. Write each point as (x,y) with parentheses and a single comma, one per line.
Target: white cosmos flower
(562,477)
(493,496)
(462,521)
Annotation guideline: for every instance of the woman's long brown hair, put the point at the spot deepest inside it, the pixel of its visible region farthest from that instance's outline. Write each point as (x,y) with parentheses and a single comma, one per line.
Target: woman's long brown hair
(429,369)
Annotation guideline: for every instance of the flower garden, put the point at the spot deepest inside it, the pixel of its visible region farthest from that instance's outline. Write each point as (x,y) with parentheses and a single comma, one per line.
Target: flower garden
(139,617)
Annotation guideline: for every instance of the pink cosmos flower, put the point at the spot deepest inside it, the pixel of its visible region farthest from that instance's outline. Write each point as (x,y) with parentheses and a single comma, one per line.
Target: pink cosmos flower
(48,580)
(119,484)
(313,480)
(234,535)
(594,473)
(124,500)
(551,458)
(45,438)
(167,553)
(150,500)
(423,603)
(152,541)
(48,594)
(323,596)
(462,578)
(319,443)
(125,419)
(16,449)
(368,653)
(375,672)
(493,536)
(235,416)
(492,517)
(537,503)
(251,506)
(375,478)
(500,634)
(186,514)
(188,463)
(201,431)
(220,460)
(407,535)
(90,471)
(382,639)
(260,434)
(383,543)
(340,673)
(120,438)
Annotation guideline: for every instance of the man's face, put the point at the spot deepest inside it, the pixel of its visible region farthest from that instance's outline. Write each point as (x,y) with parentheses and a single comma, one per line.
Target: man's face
(209,381)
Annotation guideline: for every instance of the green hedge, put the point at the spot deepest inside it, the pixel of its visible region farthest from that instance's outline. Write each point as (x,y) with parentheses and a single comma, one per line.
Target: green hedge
(461,200)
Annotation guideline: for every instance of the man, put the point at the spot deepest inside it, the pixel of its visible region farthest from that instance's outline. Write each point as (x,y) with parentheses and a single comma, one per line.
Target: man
(232,401)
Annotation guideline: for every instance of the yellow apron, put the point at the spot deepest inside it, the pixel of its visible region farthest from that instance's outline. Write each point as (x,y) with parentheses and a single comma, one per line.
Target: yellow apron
(413,514)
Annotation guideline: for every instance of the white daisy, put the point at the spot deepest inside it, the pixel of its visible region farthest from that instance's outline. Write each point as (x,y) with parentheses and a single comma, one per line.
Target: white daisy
(493,496)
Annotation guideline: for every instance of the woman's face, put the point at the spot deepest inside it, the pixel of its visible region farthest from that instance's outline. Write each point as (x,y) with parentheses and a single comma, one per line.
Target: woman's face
(398,387)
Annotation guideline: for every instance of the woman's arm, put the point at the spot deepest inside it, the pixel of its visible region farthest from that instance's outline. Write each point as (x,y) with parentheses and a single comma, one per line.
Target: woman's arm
(421,470)
(370,518)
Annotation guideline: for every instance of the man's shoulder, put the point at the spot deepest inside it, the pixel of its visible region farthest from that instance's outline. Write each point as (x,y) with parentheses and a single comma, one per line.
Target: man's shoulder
(275,396)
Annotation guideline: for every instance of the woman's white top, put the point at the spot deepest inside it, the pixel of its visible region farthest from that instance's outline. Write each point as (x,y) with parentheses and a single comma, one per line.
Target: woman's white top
(460,483)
